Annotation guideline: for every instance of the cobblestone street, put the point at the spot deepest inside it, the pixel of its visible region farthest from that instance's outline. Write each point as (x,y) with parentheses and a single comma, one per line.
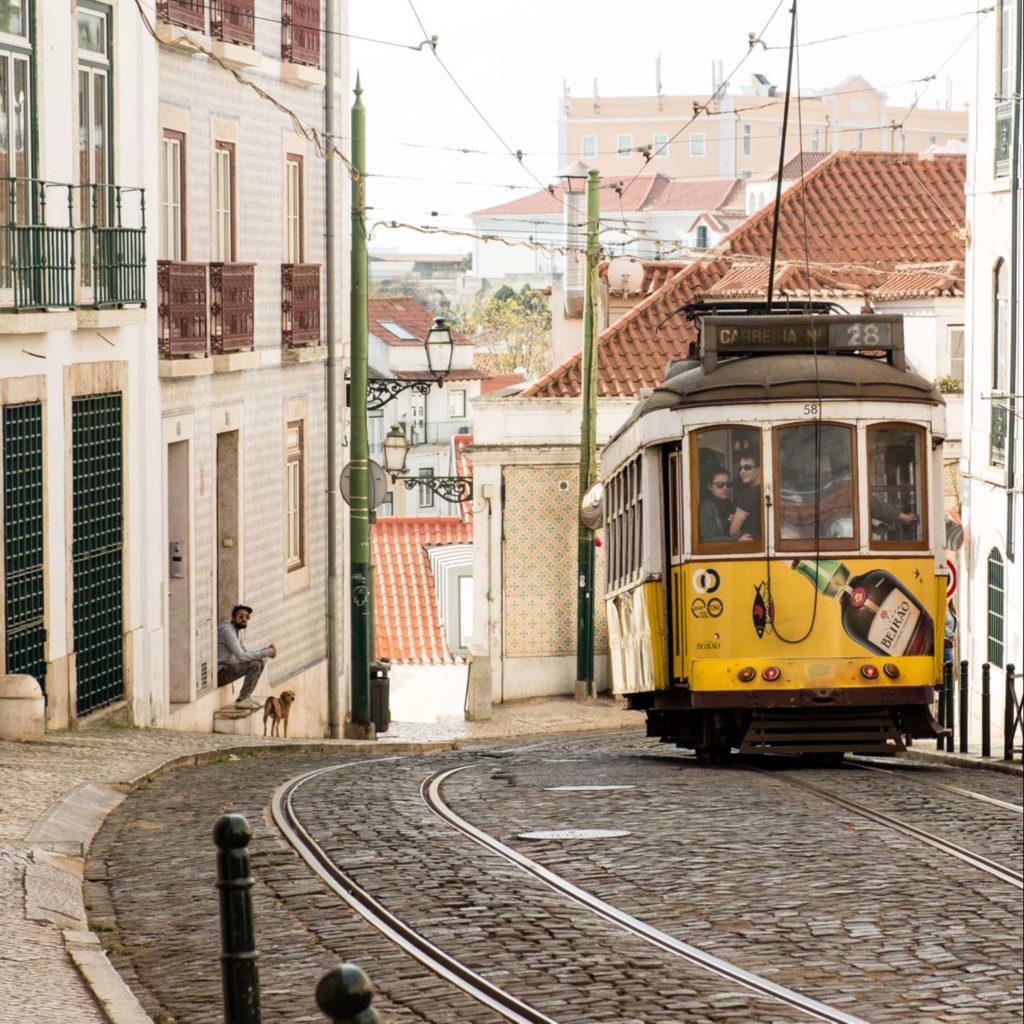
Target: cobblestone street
(734,862)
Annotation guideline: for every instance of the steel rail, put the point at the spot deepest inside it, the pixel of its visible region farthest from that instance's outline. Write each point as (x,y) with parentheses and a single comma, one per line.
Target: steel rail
(932,784)
(976,860)
(431,792)
(388,924)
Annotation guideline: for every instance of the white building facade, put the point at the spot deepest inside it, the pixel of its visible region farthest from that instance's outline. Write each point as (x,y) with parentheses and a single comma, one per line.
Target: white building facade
(78,383)
(991,603)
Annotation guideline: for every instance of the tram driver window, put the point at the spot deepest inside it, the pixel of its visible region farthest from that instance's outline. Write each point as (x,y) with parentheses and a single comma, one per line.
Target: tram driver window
(815,484)
(895,491)
(726,483)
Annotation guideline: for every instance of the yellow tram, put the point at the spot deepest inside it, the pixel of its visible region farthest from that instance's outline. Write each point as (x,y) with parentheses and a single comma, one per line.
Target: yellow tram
(773,515)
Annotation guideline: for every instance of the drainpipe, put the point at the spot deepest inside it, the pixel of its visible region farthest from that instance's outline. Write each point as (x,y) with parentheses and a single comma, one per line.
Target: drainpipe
(1014,339)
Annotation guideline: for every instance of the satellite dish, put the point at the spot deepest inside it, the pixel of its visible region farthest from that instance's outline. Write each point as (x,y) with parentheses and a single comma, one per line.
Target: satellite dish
(592,507)
(626,275)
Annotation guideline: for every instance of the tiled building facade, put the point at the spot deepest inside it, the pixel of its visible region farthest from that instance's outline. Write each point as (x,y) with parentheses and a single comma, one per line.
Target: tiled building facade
(242,339)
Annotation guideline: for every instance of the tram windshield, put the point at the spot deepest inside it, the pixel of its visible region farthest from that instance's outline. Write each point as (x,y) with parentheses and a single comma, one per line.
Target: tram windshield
(815,485)
(727,482)
(895,485)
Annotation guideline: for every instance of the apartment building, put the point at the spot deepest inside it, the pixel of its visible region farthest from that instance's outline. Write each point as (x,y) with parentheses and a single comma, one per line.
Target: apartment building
(79,420)
(990,600)
(738,134)
(241,332)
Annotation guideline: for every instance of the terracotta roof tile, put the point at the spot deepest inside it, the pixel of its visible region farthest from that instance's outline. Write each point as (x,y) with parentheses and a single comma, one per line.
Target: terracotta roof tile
(915,282)
(409,314)
(865,215)
(407,622)
(500,381)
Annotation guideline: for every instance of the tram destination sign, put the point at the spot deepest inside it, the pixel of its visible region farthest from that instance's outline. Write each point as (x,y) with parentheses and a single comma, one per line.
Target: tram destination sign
(723,336)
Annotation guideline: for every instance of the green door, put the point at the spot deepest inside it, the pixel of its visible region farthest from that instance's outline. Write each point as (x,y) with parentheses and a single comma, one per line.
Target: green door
(97,549)
(24,628)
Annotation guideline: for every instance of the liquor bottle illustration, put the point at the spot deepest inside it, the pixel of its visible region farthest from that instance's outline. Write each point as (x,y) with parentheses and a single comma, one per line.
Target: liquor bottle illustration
(879,613)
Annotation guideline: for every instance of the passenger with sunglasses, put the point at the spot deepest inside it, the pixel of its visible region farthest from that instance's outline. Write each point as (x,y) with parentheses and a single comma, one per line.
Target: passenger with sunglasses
(748,498)
(716,507)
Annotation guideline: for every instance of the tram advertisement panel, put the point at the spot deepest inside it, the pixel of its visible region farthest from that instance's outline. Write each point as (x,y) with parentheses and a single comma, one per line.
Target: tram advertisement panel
(809,608)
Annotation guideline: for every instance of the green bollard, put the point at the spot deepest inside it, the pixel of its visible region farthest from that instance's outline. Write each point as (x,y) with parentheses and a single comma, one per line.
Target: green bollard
(238,967)
(345,993)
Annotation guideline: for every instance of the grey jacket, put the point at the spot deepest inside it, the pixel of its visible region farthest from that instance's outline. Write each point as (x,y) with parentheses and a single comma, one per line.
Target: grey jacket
(231,649)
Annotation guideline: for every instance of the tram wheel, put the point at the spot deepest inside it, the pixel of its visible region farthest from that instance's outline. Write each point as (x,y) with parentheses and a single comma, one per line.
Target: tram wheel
(714,753)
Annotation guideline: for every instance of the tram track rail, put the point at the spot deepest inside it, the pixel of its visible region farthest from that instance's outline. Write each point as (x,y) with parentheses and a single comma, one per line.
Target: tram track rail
(932,784)
(975,860)
(431,792)
(421,949)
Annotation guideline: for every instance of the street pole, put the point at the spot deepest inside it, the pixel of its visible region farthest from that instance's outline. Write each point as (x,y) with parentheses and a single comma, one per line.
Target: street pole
(360,726)
(588,442)
(333,645)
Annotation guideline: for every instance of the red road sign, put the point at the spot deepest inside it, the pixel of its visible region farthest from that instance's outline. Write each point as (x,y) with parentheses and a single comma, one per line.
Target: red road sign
(951,582)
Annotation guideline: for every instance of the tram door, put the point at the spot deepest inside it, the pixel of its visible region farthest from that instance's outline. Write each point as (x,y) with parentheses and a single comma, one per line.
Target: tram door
(673,547)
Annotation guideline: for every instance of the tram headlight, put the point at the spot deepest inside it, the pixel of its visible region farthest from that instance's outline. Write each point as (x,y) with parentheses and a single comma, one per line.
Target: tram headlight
(746,674)
(771,673)
(869,671)
(891,670)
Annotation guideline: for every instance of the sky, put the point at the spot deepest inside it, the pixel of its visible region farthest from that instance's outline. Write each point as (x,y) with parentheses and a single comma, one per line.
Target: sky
(512,61)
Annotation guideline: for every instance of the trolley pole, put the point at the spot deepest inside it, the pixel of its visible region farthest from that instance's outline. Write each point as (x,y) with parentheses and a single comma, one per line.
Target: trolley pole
(360,726)
(588,444)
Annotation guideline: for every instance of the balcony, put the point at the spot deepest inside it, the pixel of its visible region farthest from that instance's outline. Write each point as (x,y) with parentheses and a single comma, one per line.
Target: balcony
(300,304)
(232,303)
(438,433)
(184,13)
(300,32)
(112,253)
(41,248)
(182,310)
(233,21)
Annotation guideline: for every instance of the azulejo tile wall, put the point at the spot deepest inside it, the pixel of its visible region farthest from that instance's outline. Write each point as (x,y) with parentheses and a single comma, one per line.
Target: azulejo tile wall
(539,558)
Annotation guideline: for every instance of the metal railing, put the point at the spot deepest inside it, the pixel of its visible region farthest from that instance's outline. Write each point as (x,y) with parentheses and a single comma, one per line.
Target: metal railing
(438,433)
(300,31)
(954,710)
(232,305)
(183,327)
(233,21)
(185,13)
(300,304)
(113,253)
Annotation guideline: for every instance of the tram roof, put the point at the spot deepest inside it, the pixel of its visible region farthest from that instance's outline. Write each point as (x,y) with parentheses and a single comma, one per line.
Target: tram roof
(782,378)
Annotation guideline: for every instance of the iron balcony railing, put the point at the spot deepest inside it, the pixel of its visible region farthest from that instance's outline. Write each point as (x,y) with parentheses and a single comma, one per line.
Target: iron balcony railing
(300,304)
(233,21)
(232,305)
(438,433)
(300,31)
(183,329)
(112,245)
(186,13)
(40,255)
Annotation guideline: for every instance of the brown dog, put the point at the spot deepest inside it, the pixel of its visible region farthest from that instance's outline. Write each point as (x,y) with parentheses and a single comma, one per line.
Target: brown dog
(277,709)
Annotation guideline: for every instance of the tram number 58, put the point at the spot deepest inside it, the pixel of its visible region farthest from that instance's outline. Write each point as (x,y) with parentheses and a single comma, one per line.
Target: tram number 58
(810,408)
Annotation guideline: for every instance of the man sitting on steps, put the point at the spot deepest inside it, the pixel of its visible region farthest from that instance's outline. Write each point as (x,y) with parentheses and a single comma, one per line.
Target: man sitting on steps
(234,659)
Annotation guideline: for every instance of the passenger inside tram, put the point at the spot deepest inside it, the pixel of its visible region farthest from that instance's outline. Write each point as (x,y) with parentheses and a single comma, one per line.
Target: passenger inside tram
(815,486)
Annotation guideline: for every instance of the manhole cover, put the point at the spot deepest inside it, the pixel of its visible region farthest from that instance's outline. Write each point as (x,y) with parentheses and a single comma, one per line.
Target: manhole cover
(583,789)
(575,833)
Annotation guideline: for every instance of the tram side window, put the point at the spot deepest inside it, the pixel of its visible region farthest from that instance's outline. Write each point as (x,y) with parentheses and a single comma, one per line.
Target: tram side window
(815,485)
(895,485)
(726,480)
(672,483)
(624,524)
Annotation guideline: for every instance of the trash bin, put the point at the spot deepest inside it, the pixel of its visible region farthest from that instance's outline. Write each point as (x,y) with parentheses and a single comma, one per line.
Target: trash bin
(380,694)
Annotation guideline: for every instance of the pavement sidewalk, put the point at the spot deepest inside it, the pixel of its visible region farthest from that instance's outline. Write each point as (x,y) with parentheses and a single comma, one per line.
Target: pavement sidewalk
(56,794)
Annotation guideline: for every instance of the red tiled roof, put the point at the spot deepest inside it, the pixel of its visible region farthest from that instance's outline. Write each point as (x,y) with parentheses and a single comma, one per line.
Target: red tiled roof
(468,373)
(500,381)
(749,279)
(645,192)
(915,282)
(407,623)
(865,215)
(794,168)
(407,313)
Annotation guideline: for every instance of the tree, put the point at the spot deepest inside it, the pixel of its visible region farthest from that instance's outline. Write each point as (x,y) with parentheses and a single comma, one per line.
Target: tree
(512,330)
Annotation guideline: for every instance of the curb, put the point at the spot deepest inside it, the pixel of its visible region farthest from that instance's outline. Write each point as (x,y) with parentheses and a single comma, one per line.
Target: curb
(963,761)
(61,836)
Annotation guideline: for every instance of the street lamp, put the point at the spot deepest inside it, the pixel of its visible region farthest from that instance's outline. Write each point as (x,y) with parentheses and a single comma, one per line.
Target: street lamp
(439,347)
(581,181)
(455,489)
